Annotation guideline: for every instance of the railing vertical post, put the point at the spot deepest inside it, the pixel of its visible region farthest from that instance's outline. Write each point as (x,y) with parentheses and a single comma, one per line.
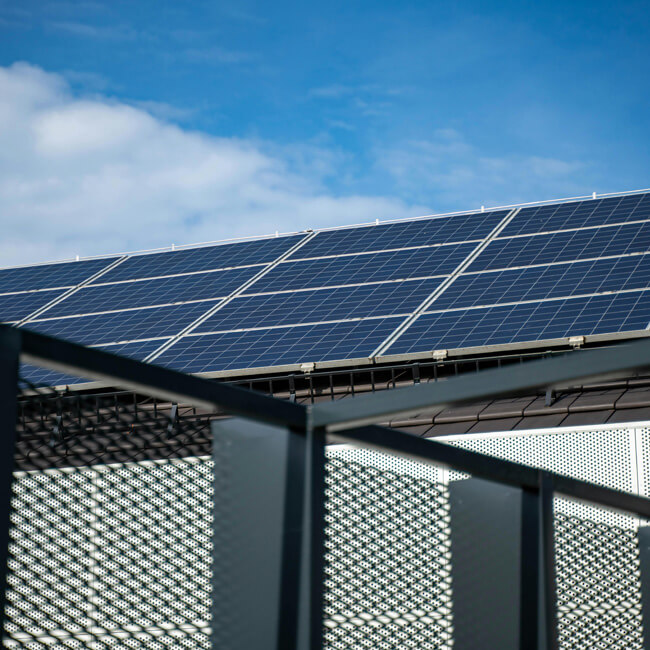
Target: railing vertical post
(538,608)
(10,346)
(529,606)
(317,539)
(644,567)
(484,527)
(259,480)
(310,625)
(548,560)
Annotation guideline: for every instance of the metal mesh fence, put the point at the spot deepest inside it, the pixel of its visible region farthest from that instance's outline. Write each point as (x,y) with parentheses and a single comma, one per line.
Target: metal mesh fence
(599,603)
(110,537)
(394,541)
(387,562)
(111,542)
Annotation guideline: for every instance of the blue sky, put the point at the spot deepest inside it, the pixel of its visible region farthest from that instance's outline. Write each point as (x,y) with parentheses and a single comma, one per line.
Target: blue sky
(130,125)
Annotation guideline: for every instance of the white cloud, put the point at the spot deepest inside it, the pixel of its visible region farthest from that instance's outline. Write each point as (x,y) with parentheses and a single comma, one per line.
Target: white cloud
(86,30)
(89,176)
(458,171)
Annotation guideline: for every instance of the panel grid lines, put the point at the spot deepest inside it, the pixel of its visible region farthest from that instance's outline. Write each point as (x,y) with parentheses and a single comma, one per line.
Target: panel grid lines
(540,265)
(296,325)
(504,277)
(404,327)
(72,291)
(578,229)
(382,250)
(198,321)
(535,301)
(521,323)
(120,311)
(565,246)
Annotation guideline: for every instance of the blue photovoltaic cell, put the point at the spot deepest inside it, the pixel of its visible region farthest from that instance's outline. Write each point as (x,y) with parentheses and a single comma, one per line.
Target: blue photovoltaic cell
(134,349)
(274,347)
(354,269)
(261,251)
(538,282)
(564,246)
(41,376)
(122,325)
(605,314)
(361,301)
(145,293)
(16,306)
(560,216)
(438,230)
(49,276)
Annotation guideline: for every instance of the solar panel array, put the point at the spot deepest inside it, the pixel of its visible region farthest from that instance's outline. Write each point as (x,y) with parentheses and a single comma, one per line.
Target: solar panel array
(504,277)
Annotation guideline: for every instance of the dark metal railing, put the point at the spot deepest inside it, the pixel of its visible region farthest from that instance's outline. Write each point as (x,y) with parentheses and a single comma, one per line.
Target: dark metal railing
(271,495)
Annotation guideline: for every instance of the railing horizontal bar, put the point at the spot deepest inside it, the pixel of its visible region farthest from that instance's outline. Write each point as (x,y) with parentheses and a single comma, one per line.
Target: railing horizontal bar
(156,381)
(489,467)
(605,363)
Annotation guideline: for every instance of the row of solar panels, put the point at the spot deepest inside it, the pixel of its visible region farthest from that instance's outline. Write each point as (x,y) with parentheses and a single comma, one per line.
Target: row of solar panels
(341,294)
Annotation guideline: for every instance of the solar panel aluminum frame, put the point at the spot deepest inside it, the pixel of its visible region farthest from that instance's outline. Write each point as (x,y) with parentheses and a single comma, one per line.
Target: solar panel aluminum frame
(310,365)
(379,356)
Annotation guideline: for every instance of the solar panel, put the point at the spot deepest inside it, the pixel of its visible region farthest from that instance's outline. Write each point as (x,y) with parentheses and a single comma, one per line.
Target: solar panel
(538,282)
(279,346)
(373,267)
(438,230)
(206,258)
(50,276)
(45,376)
(161,291)
(564,246)
(134,350)
(269,310)
(521,323)
(16,306)
(123,325)
(343,292)
(560,216)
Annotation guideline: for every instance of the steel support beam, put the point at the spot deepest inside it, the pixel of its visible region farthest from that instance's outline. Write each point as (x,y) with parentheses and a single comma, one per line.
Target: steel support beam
(489,467)
(644,566)
(485,522)
(153,380)
(9,361)
(584,365)
(259,522)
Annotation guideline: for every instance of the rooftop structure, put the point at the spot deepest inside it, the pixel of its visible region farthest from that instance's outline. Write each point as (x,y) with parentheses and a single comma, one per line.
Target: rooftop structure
(555,274)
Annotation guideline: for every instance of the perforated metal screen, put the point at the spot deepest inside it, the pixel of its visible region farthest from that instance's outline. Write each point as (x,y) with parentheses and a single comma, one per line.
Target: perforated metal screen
(597,551)
(111,533)
(599,601)
(387,559)
(107,554)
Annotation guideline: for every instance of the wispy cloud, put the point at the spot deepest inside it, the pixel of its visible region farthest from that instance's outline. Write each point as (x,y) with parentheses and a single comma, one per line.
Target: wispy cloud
(341,124)
(89,81)
(86,175)
(165,111)
(447,166)
(216,55)
(333,91)
(77,6)
(87,30)
(338,91)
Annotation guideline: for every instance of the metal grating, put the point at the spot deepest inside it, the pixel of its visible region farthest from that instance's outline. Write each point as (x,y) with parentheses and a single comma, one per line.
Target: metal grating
(598,580)
(387,558)
(600,456)
(111,524)
(643,439)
